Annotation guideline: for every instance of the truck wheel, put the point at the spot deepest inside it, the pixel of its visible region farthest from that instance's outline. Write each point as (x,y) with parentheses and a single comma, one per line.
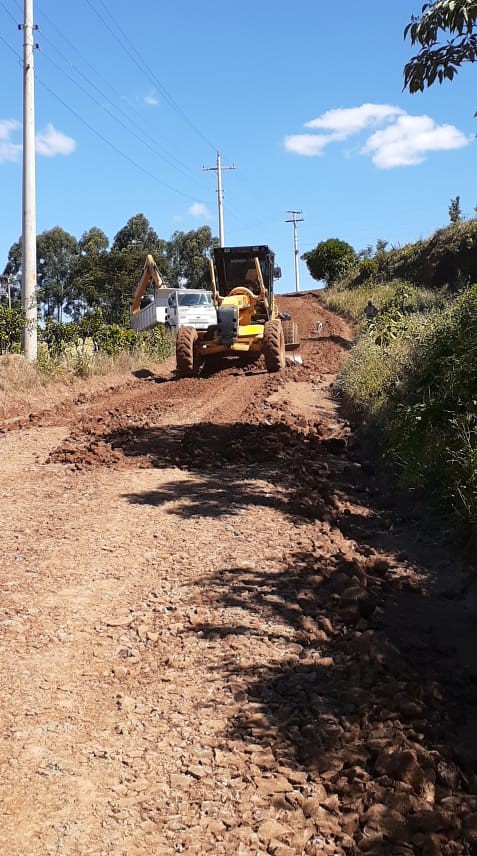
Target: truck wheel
(290,332)
(186,360)
(274,346)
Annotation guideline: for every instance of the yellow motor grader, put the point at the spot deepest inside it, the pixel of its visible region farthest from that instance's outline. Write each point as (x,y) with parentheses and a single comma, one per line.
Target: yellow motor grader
(248,324)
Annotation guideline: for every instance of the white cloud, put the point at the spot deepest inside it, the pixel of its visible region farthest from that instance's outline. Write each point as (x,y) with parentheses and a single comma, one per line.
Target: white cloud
(309,145)
(198,209)
(151,99)
(51,142)
(6,128)
(409,139)
(404,142)
(345,121)
(9,151)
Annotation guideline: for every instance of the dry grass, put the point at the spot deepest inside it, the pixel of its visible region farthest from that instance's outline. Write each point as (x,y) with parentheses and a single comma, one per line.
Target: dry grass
(26,388)
(21,384)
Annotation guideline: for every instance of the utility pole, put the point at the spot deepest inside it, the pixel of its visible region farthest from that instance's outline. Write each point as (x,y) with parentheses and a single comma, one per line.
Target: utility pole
(29,191)
(220,194)
(295,219)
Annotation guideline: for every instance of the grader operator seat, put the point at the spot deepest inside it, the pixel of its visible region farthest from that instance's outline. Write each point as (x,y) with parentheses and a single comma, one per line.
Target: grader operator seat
(236,273)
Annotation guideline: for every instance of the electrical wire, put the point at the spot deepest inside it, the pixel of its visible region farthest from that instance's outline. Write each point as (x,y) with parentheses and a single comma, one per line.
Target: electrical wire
(13,50)
(94,130)
(131,51)
(9,13)
(113,146)
(124,125)
(170,158)
(125,42)
(145,69)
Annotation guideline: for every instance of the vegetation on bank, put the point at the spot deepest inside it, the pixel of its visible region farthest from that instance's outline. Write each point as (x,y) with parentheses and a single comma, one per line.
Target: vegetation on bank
(411,378)
(86,347)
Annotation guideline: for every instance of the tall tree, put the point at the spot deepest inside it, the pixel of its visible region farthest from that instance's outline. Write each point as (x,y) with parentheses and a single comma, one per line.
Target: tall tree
(138,235)
(89,273)
(188,254)
(438,59)
(329,260)
(125,263)
(12,276)
(56,252)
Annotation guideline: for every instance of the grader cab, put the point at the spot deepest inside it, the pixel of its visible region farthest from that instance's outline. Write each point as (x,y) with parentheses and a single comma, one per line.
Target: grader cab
(247,321)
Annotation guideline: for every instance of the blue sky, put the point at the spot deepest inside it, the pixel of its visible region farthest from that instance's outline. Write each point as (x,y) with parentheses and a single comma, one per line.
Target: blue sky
(303,96)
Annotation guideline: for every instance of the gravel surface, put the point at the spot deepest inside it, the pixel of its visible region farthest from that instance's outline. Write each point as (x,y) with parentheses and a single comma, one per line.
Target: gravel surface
(218,632)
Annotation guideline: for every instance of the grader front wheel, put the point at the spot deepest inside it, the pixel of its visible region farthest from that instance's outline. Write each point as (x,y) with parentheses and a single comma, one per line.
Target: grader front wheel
(274,346)
(186,359)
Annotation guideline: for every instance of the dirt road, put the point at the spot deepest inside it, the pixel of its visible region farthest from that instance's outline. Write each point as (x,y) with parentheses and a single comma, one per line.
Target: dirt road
(217,635)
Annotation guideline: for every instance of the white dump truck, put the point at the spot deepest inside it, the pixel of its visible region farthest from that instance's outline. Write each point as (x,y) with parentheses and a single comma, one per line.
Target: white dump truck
(173,307)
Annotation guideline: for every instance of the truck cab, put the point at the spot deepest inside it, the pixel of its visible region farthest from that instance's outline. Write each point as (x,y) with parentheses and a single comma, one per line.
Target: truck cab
(175,307)
(187,307)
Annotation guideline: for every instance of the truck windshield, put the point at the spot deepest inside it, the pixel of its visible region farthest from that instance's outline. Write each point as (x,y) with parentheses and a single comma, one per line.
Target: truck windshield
(194,299)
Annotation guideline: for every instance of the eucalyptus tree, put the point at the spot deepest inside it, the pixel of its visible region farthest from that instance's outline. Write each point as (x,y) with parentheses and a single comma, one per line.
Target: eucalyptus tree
(56,252)
(188,254)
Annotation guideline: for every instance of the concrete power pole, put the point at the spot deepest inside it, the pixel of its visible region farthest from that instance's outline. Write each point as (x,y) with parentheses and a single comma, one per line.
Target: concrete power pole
(220,194)
(29,191)
(295,219)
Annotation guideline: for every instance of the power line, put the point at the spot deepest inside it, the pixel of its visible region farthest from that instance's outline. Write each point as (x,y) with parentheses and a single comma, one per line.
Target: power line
(11,48)
(98,133)
(234,214)
(149,72)
(117,119)
(168,156)
(9,13)
(113,146)
(132,52)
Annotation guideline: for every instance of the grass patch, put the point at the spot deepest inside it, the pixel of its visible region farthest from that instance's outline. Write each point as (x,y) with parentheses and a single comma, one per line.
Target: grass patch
(400,293)
(414,379)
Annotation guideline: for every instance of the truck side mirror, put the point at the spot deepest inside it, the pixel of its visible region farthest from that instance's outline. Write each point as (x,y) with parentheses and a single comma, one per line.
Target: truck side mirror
(277,272)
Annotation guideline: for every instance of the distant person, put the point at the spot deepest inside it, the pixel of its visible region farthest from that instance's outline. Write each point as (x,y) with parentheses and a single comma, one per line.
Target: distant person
(370,311)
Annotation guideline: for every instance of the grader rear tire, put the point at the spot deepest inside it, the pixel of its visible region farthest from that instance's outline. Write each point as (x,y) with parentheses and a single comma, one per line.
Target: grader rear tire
(274,346)
(186,360)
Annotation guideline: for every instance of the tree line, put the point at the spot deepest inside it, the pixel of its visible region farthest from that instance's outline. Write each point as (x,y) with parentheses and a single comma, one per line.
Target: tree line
(77,276)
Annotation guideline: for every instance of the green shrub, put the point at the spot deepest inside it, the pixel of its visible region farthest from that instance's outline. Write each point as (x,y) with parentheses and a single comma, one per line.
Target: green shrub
(11,329)
(394,294)
(419,389)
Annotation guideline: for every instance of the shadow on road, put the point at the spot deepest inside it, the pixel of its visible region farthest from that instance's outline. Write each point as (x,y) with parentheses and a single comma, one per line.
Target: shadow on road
(360,700)
(232,462)
(371,686)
